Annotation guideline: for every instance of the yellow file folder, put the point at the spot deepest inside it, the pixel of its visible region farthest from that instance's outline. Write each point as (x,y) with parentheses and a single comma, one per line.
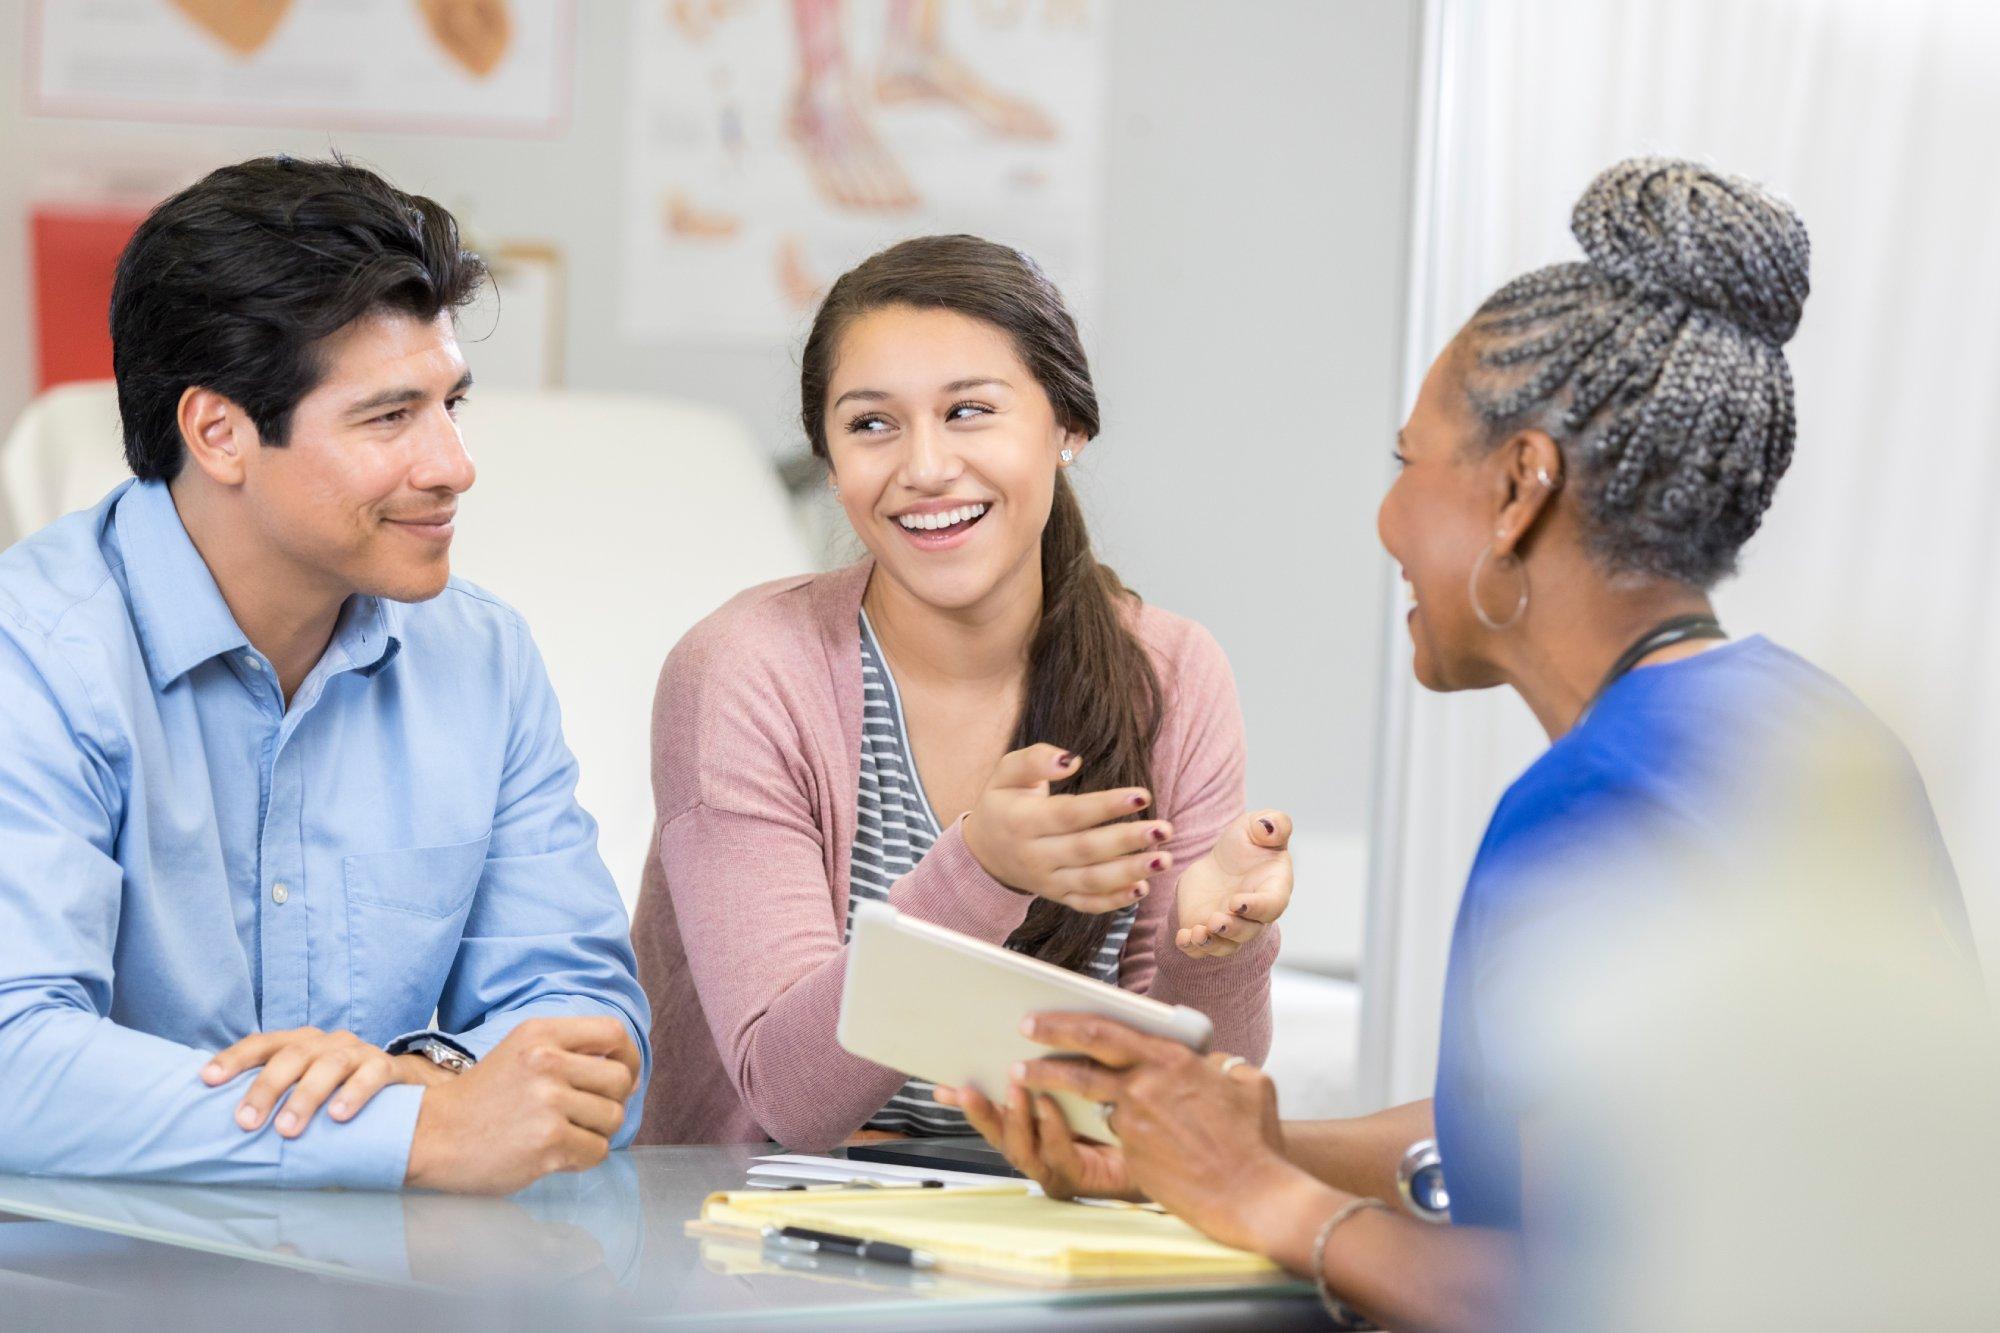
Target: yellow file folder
(1002,1233)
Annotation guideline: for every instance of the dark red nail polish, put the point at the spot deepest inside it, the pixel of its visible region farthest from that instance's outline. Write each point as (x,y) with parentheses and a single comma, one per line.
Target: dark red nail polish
(1139,891)
(1269,827)
(1159,835)
(1159,863)
(1065,761)
(1138,803)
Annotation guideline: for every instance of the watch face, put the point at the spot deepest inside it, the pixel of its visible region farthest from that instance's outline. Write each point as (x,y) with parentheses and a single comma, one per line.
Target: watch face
(445,1057)
(1420,1180)
(1428,1194)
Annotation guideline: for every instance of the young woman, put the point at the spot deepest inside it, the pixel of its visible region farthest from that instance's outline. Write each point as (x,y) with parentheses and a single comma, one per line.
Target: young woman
(1583,462)
(977,723)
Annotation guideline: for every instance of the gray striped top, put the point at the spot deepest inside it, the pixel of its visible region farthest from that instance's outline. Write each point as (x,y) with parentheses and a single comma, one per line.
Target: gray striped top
(893,828)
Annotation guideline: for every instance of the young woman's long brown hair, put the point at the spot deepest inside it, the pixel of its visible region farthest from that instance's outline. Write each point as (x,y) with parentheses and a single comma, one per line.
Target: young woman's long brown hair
(1091,686)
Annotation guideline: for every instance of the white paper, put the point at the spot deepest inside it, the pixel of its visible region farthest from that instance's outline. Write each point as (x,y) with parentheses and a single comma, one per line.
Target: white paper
(783,1169)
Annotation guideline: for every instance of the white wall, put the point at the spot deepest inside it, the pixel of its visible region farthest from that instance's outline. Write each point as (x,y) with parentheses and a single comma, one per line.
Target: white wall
(1244,343)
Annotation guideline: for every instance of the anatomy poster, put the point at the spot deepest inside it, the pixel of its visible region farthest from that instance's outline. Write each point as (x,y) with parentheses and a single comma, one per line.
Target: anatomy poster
(777,142)
(467,66)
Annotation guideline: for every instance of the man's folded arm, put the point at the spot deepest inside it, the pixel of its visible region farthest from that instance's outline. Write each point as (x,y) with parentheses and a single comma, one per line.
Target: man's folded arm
(80,1095)
(547,936)
(86,1097)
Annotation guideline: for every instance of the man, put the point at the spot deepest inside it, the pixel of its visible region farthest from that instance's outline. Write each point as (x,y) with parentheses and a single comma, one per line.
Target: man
(275,789)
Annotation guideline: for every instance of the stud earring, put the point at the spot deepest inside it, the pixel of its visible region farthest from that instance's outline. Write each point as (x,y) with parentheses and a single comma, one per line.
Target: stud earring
(1068,454)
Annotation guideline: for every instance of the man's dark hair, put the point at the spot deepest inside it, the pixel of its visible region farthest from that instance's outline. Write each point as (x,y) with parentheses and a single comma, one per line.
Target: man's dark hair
(232,284)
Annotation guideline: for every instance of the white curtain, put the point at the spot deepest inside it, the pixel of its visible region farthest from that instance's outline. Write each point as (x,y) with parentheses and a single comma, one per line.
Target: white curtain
(1880,560)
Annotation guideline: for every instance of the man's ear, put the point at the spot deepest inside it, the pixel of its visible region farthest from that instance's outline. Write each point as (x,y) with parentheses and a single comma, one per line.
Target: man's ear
(217,435)
(1528,471)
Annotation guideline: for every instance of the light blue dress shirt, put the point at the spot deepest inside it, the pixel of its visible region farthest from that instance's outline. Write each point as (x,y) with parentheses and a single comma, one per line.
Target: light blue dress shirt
(184,860)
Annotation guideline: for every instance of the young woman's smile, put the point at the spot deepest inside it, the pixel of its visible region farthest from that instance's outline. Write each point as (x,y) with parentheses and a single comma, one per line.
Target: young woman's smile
(943,449)
(941,525)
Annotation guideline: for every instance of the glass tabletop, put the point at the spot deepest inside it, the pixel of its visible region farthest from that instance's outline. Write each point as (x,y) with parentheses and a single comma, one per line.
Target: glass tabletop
(613,1240)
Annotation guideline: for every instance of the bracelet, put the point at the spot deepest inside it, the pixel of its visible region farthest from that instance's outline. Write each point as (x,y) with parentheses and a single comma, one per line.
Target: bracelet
(1344,1316)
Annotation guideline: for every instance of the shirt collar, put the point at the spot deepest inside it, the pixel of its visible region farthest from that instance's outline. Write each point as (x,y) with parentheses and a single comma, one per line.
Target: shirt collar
(181,616)
(370,633)
(179,610)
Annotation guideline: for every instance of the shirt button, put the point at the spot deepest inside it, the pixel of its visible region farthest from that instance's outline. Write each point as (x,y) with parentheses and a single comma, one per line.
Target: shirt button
(279,893)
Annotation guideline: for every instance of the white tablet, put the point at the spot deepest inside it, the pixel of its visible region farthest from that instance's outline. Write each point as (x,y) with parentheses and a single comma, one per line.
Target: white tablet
(945,1007)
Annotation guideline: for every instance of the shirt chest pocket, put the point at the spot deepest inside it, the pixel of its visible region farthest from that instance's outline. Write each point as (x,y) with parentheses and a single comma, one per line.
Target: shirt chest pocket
(406,913)
(424,881)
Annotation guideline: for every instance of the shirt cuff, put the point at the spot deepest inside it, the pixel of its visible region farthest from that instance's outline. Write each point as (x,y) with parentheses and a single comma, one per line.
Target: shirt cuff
(370,1152)
(477,1041)
(950,888)
(409,1041)
(1199,978)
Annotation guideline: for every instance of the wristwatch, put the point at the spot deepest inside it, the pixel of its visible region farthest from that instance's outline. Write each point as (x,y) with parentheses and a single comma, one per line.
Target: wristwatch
(440,1053)
(1420,1181)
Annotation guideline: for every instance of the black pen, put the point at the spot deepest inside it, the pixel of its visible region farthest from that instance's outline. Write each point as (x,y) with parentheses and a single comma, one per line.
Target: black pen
(810,1241)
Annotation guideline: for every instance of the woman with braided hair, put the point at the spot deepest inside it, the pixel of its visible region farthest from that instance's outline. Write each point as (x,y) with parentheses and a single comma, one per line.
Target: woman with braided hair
(1583,463)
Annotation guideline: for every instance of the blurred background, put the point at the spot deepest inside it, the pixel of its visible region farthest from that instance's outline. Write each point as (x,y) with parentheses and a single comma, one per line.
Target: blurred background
(1268,214)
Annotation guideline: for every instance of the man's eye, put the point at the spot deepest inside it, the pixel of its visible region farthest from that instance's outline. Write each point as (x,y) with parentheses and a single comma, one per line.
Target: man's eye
(389,418)
(452,405)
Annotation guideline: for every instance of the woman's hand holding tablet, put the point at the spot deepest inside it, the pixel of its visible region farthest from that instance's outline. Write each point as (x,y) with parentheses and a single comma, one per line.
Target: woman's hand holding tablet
(947,1008)
(1179,1116)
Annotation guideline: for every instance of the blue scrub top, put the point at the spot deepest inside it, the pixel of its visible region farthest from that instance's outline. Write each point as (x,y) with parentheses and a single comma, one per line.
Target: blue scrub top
(1678,764)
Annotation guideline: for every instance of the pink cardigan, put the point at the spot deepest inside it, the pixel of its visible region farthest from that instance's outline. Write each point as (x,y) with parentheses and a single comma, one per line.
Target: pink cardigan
(739,928)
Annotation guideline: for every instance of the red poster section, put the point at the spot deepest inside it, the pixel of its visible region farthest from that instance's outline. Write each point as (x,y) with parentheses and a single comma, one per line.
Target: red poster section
(75,253)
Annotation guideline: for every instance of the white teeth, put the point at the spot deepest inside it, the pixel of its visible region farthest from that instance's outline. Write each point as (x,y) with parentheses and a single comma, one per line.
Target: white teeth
(948,518)
(1409,592)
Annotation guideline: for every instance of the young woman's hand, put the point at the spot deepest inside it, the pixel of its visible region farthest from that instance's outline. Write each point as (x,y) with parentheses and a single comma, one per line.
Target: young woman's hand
(315,1066)
(1069,848)
(1244,884)
(1029,1128)
(1201,1139)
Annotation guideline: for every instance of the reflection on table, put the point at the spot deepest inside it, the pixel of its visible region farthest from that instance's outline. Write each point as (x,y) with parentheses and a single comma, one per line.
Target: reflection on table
(609,1243)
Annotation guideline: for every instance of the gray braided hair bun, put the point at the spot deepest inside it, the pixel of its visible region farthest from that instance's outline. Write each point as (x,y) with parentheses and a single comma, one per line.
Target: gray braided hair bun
(1658,364)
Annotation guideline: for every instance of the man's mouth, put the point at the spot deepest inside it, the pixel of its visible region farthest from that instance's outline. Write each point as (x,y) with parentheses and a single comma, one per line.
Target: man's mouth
(435,527)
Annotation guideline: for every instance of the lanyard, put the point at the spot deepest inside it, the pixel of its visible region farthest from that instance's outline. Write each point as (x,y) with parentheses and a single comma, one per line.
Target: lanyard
(1664,635)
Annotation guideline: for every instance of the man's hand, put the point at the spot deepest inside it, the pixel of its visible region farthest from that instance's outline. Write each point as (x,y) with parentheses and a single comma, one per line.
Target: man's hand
(548,1098)
(313,1065)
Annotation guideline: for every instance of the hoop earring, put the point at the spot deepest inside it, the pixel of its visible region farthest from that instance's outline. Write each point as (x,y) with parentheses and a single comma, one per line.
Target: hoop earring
(1472,590)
